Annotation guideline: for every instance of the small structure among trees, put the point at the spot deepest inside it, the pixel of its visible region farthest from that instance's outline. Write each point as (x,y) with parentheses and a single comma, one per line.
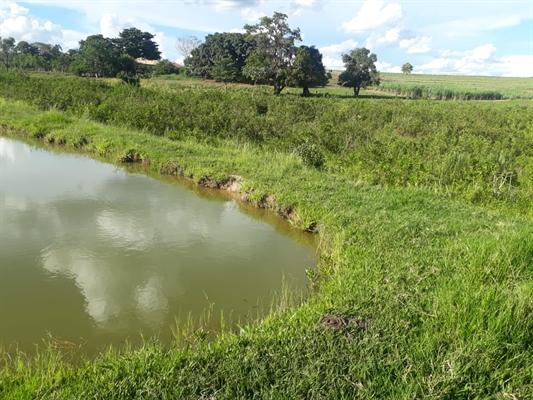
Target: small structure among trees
(360,70)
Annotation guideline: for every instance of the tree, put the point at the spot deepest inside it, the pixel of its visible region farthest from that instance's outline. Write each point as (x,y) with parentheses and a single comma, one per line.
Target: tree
(225,71)
(97,56)
(218,46)
(275,41)
(360,70)
(308,70)
(7,51)
(186,44)
(257,68)
(407,68)
(137,44)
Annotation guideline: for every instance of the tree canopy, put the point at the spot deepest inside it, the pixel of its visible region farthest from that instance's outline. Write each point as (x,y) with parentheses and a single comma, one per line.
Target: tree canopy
(217,47)
(7,51)
(137,44)
(275,42)
(308,70)
(360,70)
(407,68)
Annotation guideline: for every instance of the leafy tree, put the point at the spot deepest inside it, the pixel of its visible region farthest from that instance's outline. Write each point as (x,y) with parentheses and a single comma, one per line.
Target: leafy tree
(360,70)
(225,70)
(407,68)
(62,62)
(24,47)
(308,70)
(257,68)
(137,44)
(275,41)
(7,51)
(186,44)
(218,46)
(97,56)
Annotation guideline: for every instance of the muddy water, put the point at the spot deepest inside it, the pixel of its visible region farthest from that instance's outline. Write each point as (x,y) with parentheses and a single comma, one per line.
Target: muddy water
(93,254)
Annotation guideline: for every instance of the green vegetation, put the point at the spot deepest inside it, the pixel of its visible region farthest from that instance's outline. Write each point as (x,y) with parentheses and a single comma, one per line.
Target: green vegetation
(479,152)
(451,87)
(360,70)
(424,215)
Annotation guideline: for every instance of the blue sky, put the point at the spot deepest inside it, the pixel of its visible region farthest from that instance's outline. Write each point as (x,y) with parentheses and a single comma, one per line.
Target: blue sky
(436,37)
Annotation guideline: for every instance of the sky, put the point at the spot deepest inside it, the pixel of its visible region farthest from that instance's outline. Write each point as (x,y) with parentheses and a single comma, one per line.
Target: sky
(468,37)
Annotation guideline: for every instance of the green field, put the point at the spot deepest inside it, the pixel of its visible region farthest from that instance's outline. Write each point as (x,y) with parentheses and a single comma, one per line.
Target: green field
(455,87)
(424,218)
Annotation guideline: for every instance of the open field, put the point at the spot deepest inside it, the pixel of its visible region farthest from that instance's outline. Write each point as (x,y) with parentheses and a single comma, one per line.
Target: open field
(452,87)
(424,216)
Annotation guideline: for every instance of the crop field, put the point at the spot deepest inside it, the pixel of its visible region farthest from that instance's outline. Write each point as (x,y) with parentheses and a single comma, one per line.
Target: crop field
(452,87)
(424,218)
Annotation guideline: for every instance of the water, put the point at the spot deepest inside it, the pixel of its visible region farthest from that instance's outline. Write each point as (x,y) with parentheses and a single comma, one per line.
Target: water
(93,254)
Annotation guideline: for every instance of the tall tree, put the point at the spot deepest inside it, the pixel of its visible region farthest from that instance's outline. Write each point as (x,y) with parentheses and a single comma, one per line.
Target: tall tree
(7,51)
(97,56)
(407,68)
(360,70)
(219,46)
(225,70)
(308,70)
(275,40)
(186,44)
(137,44)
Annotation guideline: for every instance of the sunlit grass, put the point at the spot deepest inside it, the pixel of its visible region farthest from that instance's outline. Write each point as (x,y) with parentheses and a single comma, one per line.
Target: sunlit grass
(445,288)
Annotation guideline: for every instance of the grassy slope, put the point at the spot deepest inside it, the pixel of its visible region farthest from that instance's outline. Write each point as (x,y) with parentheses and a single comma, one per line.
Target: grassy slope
(447,290)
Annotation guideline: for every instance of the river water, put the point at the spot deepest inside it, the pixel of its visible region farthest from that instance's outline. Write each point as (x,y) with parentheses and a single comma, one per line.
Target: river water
(94,255)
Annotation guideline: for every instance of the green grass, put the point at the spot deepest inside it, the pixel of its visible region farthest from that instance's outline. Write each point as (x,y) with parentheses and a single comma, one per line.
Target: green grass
(446,288)
(454,87)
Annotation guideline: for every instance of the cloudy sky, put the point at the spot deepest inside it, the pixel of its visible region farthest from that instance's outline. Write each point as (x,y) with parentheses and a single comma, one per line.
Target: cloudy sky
(469,37)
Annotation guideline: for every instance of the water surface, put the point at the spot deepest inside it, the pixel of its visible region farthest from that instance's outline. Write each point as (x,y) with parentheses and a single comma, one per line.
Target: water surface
(91,253)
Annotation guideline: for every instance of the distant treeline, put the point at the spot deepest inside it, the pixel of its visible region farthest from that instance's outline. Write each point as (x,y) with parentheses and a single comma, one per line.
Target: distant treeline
(96,56)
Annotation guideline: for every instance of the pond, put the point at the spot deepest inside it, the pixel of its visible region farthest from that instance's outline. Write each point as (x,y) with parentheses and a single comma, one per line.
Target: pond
(93,254)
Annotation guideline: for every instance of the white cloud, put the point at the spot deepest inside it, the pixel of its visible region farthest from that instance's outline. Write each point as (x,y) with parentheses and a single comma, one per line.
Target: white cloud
(517,66)
(373,15)
(11,10)
(389,38)
(237,30)
(387,67)
(417,44)
(110,25)
(340,48)
(31,29)
(18,23)
(479,61)
(332,63)
(251,15)
(298,7)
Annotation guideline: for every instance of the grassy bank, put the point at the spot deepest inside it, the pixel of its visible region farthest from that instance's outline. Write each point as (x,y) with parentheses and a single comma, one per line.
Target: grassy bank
(480,153)
(445,288)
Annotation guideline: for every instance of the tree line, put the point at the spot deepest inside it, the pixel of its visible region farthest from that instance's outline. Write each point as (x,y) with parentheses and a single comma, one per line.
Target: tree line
(266,53)
(96,56)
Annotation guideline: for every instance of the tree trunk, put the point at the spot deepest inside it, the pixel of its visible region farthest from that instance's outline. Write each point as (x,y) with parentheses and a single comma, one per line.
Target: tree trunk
(306,92)
(356,91)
